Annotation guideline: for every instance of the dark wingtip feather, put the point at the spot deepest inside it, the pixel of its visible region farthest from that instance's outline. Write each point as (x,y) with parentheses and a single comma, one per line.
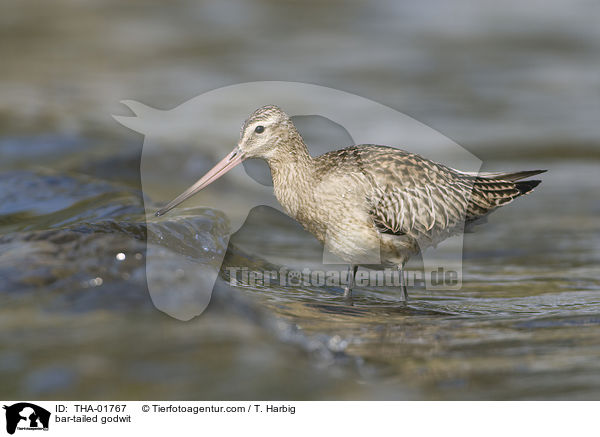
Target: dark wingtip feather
(525,187)
(515,176)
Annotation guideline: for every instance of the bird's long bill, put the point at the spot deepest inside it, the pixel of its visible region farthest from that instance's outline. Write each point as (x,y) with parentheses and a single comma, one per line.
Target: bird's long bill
(230,161)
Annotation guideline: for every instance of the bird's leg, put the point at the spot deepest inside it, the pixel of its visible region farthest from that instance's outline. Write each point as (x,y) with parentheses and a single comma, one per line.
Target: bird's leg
(350,280)
(403,283)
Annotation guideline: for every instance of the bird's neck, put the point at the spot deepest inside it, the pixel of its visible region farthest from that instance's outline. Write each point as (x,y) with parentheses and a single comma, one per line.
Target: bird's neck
(292,169)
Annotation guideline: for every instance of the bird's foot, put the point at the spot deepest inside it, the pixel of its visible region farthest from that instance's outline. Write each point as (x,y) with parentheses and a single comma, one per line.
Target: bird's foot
(404,297)
(348,296)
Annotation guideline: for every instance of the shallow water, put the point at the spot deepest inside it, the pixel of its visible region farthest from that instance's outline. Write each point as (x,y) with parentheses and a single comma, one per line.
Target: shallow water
(77,313)
(511,84)
(525,325)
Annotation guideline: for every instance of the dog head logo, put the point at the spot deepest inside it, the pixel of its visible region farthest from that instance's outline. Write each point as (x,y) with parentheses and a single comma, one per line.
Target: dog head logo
(26,416)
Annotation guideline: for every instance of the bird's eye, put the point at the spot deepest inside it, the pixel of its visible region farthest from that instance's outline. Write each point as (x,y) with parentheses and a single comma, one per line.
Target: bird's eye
(259,129)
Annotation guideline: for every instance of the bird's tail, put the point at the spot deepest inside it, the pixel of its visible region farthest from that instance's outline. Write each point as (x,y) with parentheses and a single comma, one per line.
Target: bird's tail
(491,190)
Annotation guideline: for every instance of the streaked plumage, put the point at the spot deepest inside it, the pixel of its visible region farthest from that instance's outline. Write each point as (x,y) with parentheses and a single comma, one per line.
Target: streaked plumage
(367,201)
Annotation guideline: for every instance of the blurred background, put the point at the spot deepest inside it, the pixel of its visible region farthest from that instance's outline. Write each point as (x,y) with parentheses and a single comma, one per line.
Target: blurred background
(514,83)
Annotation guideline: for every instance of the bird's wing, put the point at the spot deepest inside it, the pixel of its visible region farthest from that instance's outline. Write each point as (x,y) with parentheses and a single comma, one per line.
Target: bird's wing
(503,175)
(408,194)
(420,209)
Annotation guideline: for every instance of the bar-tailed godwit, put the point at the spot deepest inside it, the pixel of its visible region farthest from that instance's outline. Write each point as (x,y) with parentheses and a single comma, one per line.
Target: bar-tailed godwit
(366,197)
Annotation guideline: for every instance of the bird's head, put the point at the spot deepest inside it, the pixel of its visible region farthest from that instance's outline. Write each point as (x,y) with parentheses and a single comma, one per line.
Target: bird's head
(264,132)
(264,135)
